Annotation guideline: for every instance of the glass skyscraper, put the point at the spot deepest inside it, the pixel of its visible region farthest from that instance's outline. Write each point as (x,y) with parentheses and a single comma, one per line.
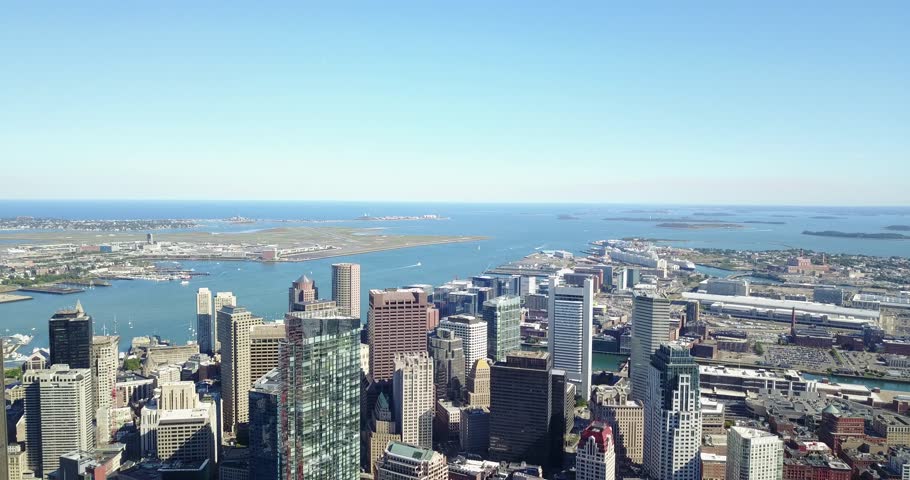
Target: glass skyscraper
(320,424)
(503,317)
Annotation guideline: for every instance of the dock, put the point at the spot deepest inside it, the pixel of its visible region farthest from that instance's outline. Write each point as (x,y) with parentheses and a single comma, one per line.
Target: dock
(52,289)
(10,298)
(92,282)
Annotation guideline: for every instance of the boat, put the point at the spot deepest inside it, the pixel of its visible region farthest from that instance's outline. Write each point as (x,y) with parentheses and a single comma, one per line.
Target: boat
(419,264)
(184,282)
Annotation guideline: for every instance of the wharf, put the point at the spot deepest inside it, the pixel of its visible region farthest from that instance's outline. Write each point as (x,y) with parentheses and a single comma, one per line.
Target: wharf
(10,298)
(52,289)
(87,283)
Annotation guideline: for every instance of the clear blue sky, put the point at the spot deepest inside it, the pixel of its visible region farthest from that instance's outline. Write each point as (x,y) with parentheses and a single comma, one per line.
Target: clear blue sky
(714,102)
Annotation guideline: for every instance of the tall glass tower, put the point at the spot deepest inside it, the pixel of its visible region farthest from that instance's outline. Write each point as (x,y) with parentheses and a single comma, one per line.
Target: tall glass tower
(320,365)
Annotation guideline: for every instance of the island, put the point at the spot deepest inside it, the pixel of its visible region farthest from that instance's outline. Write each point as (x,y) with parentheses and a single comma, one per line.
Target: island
(697,226)
(898,228)
(872,236)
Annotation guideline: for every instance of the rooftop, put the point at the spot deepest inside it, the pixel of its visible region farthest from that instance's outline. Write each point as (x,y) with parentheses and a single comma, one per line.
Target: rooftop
(408,451)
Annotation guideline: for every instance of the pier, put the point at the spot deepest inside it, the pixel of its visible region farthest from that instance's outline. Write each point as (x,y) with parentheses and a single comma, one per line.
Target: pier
(52,289)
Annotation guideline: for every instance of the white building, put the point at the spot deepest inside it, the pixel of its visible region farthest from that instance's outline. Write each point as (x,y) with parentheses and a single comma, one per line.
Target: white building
(723,286)
(105,360)
(650,329)
(414,398)
(473,334)
(346,288)
(595,458)
(754,455)
(570,312)
(176,425)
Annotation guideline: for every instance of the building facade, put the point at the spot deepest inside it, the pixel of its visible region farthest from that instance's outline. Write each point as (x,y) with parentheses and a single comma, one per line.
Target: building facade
(70,333)
(205,321)
(650,329)
(503,317)
(414,399)
(570,312)
(405,462)
(105,362)
(346,288)
(754,455)
(448,363)
(265,427)
(473,334)
(397,323)
(234,327)
(595,458)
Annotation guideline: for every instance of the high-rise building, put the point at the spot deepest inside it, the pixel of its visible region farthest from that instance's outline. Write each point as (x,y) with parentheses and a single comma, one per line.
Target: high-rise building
(186,427)
(222,299)
(265,427)
(234,326)
(383,429)
(346,288)
(264,342)
(503,317)
(414,399)
(448,363)
(58,415)
(673,415)
(650,329)
(70,333)
(396,324)
(473,334)
(474,430)
(405,462)
(205,321)
(302,291)
(520,407)
(754,455)
(569,335)
(595,458)
(320,424)
(611,405)
(478,384)
(9,457)
(105,360)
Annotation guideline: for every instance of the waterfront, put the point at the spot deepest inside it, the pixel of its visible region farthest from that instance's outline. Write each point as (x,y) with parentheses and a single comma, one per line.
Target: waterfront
(869,382)
(167,308)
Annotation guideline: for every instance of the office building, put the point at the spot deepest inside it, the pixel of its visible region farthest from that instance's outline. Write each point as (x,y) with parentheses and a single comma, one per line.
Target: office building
(569,336)
(265,427)
(478,384)
(264,341)
(595,458)
(205,321)
(105,360)
(727,287)
(396,324)
(673,415)
(320,365)
(302,291)
(234,326)
(473,334)
(222,299)
(401,461)
(754,455)
(70,333)
(187,434)
(474,431)
(448,364)
(414,400)
(611,405)
(503,317)
(650,329)
(346,288)
(383,430)
(58,415)
(520,407)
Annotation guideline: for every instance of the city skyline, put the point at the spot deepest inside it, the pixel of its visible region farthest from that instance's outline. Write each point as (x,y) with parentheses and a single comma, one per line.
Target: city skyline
(722,99)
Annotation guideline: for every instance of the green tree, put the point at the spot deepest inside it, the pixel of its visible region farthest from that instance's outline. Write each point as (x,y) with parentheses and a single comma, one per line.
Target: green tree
(132,364)
(758,348)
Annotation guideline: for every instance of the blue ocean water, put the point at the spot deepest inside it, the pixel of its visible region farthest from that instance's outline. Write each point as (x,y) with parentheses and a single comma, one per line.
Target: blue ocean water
(513,230)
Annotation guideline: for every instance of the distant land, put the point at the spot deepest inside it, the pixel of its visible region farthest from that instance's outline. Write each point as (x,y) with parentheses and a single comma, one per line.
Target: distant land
(697,226)
(566,216)
(898,228)
(825,217)
(762,222)
(872,236)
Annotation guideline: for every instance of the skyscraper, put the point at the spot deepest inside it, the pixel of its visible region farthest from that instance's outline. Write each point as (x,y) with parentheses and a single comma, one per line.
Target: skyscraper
(302,290)
(503,317)
(406,462)
(650,329)
(58,415)
(265,427)
(264,342)
(595,458)
(70,333)
(570,312)
(222,299)
(611,405)
(520,407)
(205,321)
(346,288)
(673,415)
(414,399)
(473,334)
(754,455)
(234,326)
(478,384)
(320,424)
(383,429)
(397,323)
(105,361)
(448,363)
(186,427)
